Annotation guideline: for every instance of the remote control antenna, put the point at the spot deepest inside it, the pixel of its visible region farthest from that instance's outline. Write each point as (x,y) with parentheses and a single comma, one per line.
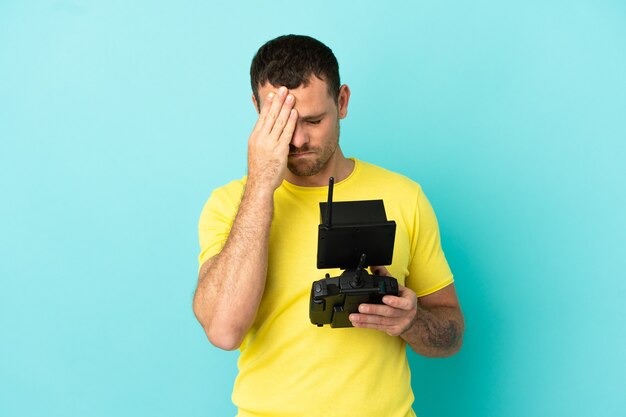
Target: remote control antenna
(329,206)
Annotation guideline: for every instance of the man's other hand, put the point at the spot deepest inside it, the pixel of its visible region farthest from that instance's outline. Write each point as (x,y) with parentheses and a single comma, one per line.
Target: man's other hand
(268,145)
(394,317)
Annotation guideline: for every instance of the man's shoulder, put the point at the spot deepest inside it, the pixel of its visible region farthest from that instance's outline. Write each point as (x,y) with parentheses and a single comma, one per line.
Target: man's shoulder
(379,176)
(229,192)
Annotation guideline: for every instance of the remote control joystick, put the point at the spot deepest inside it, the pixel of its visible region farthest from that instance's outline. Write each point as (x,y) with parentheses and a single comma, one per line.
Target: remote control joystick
(358,236)
(357,281)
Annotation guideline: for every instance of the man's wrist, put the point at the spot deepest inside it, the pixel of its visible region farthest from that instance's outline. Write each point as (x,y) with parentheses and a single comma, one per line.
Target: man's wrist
(408,335)
(262,191)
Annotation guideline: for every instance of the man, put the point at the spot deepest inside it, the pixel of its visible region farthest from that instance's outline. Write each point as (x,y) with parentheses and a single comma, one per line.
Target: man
(258,238)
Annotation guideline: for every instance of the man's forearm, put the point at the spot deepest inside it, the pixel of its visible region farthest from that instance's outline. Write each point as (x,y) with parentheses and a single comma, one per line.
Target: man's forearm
(231,284)
(436,332)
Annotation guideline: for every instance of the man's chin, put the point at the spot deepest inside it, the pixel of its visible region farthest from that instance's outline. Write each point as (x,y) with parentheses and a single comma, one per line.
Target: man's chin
(300,172)
(301,168)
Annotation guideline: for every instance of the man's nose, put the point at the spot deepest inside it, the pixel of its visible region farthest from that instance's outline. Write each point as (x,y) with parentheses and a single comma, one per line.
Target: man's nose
(299,138)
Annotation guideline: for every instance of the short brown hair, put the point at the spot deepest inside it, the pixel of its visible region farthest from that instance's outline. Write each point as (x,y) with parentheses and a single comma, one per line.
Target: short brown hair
(290,60)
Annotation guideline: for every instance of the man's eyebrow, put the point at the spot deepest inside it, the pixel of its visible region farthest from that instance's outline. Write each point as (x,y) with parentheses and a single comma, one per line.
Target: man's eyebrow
(313,116)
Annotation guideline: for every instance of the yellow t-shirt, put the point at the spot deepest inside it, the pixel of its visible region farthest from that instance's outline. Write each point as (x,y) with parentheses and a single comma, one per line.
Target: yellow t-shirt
(290,367)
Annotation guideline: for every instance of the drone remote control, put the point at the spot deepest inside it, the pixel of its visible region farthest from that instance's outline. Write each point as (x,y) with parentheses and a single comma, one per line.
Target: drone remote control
(360,236)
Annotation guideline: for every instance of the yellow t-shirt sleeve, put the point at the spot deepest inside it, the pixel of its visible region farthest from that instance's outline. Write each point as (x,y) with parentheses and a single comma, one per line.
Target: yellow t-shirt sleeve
(216,219)
(428,270)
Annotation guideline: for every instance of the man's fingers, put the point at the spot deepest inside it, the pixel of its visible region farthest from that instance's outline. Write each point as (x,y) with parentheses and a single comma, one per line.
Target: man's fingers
(398,302)
(377,323)
(366,320)
(406,300)
(380,270)
(287,133)
(380,310)
(264,111)
(283,117)
(274,110)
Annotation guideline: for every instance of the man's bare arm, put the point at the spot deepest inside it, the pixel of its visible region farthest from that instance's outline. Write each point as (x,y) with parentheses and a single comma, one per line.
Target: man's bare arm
(437,327)
(231,284)
(433,325)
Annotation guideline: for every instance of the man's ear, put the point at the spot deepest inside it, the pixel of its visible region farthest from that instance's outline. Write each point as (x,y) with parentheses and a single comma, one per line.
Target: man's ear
(342,101)
(256,105)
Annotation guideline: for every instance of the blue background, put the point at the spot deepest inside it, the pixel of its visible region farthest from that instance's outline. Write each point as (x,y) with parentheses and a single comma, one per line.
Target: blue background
(118,118)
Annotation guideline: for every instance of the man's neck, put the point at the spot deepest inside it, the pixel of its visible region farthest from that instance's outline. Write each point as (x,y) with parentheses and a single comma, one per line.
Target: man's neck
(338,166)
